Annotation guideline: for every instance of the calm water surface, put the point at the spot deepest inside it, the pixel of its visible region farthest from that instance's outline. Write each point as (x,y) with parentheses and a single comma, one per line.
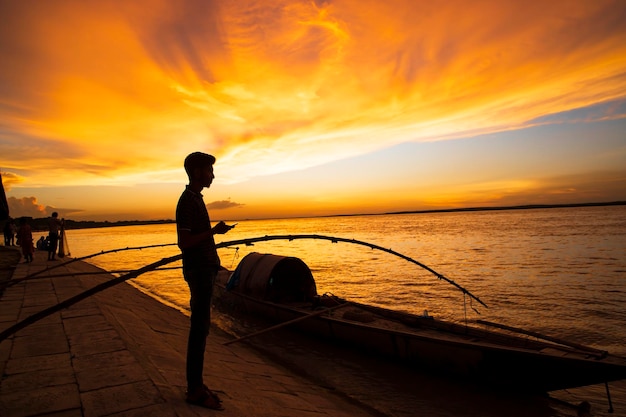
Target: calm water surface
(555,271)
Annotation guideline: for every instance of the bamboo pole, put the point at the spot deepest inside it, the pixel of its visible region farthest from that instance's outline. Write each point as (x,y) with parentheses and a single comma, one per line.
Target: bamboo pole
(287,323)
(333,239)
(77,274)
(249,241)
(73,300)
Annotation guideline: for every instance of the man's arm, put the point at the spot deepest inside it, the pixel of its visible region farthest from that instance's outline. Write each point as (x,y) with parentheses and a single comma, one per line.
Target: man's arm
(187,240)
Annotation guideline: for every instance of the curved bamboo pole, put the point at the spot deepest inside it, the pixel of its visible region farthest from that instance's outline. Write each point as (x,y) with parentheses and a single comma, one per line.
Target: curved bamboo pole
(77,274)
(333,239)
(82,258)
(248,241)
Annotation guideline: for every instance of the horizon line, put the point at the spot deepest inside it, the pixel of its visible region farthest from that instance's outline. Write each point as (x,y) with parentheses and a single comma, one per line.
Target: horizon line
(426,211)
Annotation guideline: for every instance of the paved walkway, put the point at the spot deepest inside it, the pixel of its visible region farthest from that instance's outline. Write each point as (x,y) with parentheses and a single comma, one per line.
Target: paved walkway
(122,353)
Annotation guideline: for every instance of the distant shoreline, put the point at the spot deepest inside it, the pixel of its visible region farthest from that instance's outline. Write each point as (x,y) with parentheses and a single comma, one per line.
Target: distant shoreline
(41,224)
(521,207)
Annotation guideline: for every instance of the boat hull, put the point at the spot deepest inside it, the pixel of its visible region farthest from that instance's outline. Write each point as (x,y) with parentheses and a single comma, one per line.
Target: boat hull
(508,362)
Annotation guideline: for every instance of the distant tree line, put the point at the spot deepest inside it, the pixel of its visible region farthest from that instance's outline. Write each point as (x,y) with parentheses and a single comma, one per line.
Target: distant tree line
(522,207)
(41,224)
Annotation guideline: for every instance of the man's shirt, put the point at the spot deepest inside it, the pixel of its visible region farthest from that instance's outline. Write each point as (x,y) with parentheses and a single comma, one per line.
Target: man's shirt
(192,215)
(54,224)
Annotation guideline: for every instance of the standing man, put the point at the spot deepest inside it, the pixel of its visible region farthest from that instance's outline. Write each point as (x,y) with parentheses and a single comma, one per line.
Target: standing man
(54,224)
(25,240)
(200,266)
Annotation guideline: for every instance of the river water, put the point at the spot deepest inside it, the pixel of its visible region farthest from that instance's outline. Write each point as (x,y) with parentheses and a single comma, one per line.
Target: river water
(555,271)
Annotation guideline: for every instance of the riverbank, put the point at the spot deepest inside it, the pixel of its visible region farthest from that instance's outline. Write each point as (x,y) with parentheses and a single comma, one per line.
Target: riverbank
(122,353)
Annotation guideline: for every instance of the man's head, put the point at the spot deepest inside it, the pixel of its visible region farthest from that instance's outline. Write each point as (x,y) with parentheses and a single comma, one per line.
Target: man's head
(199,168)
(55,214)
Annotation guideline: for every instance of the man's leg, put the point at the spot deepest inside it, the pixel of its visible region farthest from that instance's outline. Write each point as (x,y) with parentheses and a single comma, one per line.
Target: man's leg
(54,238)
(201,288)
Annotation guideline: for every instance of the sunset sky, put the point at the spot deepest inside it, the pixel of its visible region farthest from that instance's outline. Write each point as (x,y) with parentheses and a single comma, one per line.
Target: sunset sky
(311,107)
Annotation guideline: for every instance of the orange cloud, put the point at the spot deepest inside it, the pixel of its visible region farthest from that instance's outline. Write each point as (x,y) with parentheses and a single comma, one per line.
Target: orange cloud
(223,205)
(27,206)
(120,92)
(9,179)
(30,207)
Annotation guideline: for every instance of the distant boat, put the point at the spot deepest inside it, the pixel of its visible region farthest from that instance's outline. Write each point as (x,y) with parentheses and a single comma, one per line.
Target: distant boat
(283,290)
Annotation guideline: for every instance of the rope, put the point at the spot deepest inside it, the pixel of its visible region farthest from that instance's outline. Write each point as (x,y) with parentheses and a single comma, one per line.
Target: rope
(235,257)
(465,309)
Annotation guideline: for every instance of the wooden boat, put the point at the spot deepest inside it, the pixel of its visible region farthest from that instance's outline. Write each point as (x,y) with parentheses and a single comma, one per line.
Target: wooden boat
(282,289)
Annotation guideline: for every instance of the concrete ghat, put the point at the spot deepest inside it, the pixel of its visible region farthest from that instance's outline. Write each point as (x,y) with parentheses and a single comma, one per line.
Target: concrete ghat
(122,353)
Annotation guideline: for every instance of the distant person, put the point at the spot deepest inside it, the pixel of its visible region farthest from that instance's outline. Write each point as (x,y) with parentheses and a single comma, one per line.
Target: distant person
(200,266)
(25,240)
(13,232)
(9,232)
(41,243)
(54,224)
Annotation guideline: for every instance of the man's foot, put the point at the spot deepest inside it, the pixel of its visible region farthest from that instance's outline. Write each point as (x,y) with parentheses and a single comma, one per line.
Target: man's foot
(204,397)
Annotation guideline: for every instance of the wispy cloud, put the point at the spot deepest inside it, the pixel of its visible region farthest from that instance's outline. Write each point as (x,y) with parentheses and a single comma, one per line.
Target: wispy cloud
(103,92)
(223,205)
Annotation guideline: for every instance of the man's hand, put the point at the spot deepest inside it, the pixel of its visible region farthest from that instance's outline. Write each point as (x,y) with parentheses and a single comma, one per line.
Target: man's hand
(222,228)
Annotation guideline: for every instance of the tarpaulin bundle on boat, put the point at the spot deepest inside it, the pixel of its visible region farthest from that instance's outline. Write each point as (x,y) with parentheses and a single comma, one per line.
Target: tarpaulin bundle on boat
(273,278)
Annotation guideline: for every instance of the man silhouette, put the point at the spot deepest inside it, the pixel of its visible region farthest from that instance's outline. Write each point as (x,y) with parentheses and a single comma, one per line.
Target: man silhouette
(200,266)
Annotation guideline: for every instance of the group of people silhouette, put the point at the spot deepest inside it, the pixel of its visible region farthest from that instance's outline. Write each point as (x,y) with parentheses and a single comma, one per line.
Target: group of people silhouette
(23,236)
